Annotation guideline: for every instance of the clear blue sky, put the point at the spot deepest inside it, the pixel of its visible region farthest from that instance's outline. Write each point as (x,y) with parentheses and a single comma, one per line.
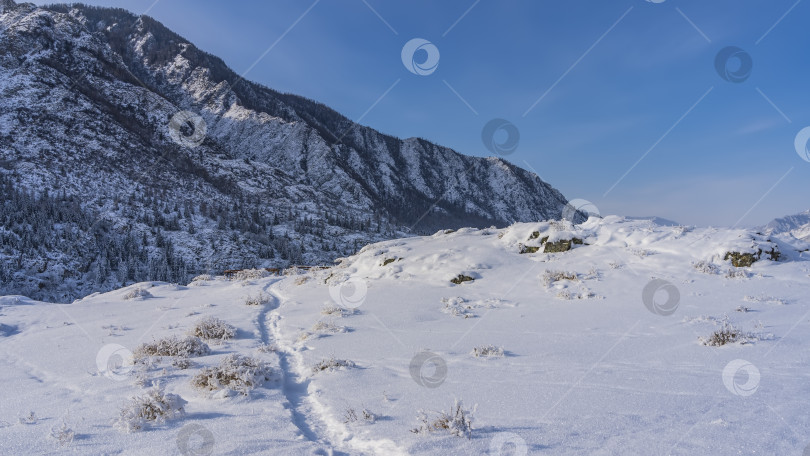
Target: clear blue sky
(615,78)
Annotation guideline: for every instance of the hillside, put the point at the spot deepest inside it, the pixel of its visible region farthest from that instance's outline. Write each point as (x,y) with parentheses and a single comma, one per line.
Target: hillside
(173,165)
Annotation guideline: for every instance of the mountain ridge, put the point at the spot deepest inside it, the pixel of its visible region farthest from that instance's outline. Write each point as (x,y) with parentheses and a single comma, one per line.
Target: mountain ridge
(90,99)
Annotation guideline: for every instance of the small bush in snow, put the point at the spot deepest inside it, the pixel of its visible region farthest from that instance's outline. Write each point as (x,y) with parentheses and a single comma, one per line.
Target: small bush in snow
(156,406)
(728,334)
(458,307)
(172,346)
(722,337)
(567,295)
(743,309)
(235,372)
(327,327)
(211,328)
(593,274)
(62,434)
(257,300)
(30,419)
(137,293)
(614,265)
(458,422)
(201,280)
(351,416)
(334,310)
(301,280)
(736,273)
(641,253)
(487,351)
(267,348)
(706,267)
(292,271)
(560,225)
(249,274)
(550,277)
(332,364)
(182,363)
(768,299)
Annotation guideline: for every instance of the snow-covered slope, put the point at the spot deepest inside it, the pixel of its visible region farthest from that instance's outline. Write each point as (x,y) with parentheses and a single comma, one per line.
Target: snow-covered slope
(602,351)
(88,113)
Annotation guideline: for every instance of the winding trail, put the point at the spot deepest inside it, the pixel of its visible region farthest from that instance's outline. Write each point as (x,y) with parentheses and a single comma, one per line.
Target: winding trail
(294,388)
(312,417)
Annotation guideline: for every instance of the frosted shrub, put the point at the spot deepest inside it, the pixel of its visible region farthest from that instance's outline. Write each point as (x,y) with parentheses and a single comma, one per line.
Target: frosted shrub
(351,416)
(328,327)
(137,293)
(706,267)
(249,274)
(63,434)
(211,328)
(583,293)
(30,419)
(550,277)
(258,300)
(334,310)
(156,406)
(641,253)
(737,273)
(172,346)
(181,363)
(201,280)
(487,351)
(235,372)
(458,422)
(458,307)
(267,348)
(727,334)
(332,364)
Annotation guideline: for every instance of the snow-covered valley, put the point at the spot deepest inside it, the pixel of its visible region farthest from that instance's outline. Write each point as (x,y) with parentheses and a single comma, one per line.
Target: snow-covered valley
(640,339)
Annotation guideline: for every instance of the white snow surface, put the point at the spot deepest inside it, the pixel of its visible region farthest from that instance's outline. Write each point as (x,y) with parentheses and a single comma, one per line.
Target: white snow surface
(586,367)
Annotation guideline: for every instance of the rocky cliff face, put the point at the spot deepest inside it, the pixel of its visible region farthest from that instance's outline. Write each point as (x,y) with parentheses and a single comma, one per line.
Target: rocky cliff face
(89,118)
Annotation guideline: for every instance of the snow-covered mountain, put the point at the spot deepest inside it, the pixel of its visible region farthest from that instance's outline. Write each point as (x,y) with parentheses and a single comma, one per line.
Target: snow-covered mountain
(797,225)
(642,339)
(248,177)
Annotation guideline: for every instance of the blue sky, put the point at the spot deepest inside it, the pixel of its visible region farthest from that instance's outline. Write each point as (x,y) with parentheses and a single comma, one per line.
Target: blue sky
(609,82)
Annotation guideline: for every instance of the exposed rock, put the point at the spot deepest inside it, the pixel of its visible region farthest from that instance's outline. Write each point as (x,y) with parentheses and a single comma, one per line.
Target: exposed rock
(741,260)
(528,249)
(562,245)
(461,278)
